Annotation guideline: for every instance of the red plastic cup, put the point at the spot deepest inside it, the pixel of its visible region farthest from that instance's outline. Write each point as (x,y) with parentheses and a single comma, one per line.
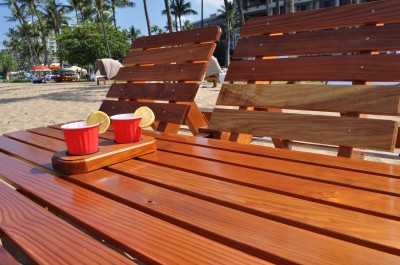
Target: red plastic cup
(126,128)
(80,138)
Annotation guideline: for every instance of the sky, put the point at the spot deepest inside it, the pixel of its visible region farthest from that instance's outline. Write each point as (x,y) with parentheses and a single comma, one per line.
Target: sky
(132,16)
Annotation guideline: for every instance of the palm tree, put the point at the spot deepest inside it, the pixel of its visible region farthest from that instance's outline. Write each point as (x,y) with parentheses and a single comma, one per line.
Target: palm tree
(277,7)
(187,25)
(120,4)
(78,6)
(180,8)
(168,13)
(54,13)
(33,9)
(156,30)
(99,7)
(147,17)
(134,33)
(19,14)
(231,20)
(240,8)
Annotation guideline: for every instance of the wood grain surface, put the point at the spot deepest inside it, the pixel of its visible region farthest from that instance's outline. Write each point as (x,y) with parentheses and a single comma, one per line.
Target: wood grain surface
(380,100)
(45,238)
(321,42)
(206,34)
(346,131)
(344,16)
(156,91)
(321,68)
(198,52)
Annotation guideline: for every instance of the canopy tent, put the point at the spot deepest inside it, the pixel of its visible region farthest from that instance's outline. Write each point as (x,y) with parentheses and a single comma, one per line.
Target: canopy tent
(108,67)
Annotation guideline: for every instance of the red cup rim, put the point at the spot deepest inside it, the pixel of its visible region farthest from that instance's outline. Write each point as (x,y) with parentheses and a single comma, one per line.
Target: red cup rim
(125,116)
(77,125)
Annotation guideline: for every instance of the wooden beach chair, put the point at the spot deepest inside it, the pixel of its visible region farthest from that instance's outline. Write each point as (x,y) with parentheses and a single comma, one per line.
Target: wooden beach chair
(164,72)
(355,43)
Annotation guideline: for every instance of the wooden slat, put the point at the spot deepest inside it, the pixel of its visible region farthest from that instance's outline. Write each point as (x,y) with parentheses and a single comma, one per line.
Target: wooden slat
(261,234)
(351,98)
(343,16)
(175,113)
(174,72)
(45,238)
(147,238)
(198,52)
(156,91)
(6,258)
(368,38)
(341,131)
(207,34)
(322,68)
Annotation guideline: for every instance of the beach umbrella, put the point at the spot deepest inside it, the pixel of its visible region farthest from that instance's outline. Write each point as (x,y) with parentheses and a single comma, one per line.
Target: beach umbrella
(40,68)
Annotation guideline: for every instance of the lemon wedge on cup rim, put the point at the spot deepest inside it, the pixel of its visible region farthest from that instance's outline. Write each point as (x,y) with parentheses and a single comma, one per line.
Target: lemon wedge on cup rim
(99,117)
(147,115)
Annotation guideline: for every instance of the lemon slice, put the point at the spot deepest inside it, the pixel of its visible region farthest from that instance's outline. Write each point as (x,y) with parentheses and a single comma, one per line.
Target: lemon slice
(147,116)
(99,117)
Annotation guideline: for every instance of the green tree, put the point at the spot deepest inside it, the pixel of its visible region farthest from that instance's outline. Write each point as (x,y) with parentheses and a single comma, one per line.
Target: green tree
(156,30)
(83,44)
(134,33)
(228,12)
(121,4)
(169,16)
(147,17)
(7,63)
(179,8)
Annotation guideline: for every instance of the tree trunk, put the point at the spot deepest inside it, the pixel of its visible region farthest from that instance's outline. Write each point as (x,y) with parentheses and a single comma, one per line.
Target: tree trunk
(289,6)
(277,7)
(267,10)
(169,17)
(227,35)
(147,17)
(240,7)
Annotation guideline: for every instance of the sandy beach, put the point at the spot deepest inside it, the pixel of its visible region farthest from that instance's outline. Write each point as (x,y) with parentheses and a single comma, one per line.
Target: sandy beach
(27,105)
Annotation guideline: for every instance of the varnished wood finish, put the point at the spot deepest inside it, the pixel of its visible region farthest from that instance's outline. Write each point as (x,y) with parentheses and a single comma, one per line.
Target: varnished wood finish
(156,91)
(170,54)
(320,42)
(161,72)
(243,200)
(346,43)
(322,68)
(347,131)
(163,112)
(109,153)
(332,98)
(167,67)
(207,34)
(344,16)
(45,238)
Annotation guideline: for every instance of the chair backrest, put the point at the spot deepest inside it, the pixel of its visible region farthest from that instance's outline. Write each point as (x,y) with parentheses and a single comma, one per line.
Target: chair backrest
(354,43)
(164,72)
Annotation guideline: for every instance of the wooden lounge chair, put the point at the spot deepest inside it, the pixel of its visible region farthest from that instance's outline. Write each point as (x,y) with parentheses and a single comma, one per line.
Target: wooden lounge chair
(348,43)
(164,73)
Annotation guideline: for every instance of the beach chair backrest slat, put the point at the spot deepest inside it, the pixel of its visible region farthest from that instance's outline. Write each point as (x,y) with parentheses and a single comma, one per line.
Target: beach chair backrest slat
(178,54)
(331,98)
(367,13)
(201,35)
(156,91)
(363,67)
(339,131)
(173,113)
(162,72)
(353,47)
(320,42)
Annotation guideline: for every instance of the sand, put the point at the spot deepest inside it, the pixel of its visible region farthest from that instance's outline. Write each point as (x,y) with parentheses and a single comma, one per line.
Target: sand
(27,105)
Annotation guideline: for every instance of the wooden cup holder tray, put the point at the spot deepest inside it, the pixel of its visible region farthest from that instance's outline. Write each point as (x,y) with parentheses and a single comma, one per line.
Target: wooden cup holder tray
(109,153)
